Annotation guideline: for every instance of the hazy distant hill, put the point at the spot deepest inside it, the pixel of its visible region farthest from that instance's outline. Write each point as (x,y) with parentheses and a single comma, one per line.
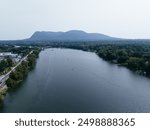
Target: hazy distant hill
(73,35)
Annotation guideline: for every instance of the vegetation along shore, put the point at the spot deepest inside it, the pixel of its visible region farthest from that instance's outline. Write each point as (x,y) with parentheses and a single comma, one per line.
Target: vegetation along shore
(19,73)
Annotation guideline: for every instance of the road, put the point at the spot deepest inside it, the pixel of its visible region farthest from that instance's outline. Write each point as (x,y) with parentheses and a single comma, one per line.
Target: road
(6,76)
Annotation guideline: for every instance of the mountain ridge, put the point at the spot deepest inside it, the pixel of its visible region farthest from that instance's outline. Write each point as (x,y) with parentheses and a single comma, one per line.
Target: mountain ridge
(72,35)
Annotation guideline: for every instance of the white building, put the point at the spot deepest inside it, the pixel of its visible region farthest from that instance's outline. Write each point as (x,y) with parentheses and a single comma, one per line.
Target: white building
(8,54)
(15,57)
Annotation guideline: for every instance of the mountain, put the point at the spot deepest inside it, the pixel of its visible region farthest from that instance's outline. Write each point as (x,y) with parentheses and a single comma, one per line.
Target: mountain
(73,35)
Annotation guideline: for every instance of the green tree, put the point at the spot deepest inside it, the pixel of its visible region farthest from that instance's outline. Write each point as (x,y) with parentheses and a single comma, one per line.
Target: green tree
(9,62)
(3,65)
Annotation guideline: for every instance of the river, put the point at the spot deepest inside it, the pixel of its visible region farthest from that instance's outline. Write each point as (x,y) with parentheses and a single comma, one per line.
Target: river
(66,80)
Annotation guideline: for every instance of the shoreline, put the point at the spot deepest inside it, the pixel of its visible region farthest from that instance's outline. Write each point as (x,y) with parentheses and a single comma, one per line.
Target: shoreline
(3,92)
(11,83)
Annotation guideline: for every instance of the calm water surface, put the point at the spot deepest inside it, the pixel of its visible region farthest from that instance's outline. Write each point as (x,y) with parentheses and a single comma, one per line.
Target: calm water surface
(66,80)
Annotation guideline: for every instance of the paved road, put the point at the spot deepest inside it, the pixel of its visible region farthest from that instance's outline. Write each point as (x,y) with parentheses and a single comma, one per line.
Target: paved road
(6,76)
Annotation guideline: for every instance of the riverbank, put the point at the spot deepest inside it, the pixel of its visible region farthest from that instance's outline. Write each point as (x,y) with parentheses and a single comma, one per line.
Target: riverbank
(19,74)
(3,92)
(135,57)
(16,77)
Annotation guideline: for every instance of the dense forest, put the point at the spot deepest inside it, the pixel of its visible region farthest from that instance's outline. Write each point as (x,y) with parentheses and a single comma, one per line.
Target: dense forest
(134,57)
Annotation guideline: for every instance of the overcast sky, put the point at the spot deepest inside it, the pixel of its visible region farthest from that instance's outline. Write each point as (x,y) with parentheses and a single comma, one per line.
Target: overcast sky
(119,18)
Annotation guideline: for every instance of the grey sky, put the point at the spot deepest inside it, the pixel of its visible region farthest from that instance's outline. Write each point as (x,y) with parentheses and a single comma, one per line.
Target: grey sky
(120,18)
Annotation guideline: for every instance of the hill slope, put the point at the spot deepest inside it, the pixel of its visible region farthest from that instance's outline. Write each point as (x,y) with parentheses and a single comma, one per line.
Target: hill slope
(73,35)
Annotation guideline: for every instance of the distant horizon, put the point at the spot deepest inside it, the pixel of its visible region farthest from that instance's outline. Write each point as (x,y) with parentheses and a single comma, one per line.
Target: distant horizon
(123,38)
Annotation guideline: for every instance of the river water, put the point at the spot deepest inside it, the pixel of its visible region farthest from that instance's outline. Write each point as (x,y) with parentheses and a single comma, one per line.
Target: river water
(66,80)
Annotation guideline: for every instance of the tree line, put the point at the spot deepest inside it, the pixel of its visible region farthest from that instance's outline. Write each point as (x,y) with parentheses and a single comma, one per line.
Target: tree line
(134,57)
